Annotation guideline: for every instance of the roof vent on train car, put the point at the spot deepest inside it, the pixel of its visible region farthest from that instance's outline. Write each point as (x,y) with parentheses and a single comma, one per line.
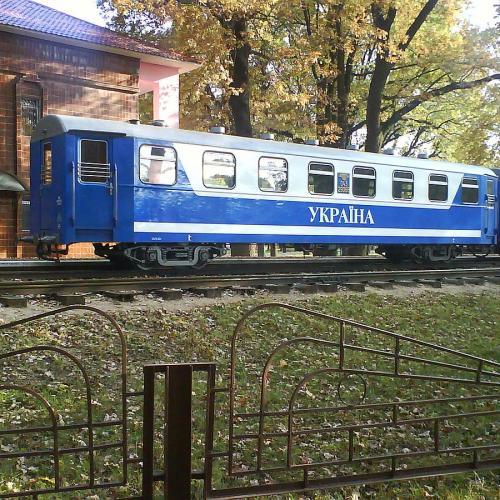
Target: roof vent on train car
(352,147)
(423,156)
(312,142)
(389,151)
(135,121)
(267,137)
(158,123)
(218,130)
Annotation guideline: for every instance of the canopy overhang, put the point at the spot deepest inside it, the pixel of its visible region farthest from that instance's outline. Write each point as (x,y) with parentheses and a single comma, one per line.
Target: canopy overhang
(9,182)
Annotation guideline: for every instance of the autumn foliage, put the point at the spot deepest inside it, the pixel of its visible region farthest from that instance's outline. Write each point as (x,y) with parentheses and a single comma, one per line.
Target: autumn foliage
(369,72)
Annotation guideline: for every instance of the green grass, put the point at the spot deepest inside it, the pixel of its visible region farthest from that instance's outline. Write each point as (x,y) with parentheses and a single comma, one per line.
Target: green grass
(469,323)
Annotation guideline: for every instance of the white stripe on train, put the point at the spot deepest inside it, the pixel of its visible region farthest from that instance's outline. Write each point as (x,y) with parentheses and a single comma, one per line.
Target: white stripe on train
(171,227)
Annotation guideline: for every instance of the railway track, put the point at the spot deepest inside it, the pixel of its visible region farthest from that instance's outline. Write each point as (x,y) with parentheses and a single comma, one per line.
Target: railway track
(151,283)
(94,269)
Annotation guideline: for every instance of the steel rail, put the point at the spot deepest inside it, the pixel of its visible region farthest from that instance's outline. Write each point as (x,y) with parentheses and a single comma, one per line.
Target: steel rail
(99,268)
(148,283)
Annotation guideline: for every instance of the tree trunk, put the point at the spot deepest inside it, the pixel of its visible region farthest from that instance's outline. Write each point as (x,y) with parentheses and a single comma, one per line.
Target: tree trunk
(239,103)
(384,21)
(374,104)
(342,100)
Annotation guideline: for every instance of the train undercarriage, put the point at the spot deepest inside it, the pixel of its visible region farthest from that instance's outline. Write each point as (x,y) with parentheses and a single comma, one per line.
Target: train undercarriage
(155,256)
(419,253)
(408,253)
(150,257)
(432,253)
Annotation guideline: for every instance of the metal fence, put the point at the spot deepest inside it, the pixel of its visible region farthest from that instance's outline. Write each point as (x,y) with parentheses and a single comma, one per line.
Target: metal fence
(56,427)
(354,392)
(355,405)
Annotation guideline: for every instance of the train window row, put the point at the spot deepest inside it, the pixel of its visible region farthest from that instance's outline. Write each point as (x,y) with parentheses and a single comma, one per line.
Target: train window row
(158,165)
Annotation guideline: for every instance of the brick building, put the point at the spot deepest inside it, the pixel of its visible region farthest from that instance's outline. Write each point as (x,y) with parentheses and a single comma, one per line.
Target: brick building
(51,62)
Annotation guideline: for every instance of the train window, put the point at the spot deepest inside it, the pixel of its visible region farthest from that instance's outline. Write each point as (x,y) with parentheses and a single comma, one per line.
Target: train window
(438,187)
(157,165)
(490,193)
(321,178)
(219,170)
(93,165)
(402,185)
(273,174)
(470,190)
(47,164)
(364,182)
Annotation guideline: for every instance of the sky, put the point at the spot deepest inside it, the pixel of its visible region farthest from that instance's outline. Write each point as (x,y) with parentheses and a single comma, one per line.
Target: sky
(481,12)
(84,9)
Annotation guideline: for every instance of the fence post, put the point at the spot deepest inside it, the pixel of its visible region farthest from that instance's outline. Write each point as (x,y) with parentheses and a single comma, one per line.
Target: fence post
(178,394)
(209,429)
(177,436)
(148,433)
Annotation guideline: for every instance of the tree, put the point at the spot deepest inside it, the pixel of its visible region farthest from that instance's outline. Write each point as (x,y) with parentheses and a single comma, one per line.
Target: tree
(224,34)
(375,62)
(373,71)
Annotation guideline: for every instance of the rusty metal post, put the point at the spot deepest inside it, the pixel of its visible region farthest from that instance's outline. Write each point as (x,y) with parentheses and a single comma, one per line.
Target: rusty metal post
(179,383)
(209,429)
(148,433)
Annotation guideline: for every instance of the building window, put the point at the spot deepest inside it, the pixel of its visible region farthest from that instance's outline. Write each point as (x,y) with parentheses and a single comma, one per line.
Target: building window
(438,187)
(25,212)
(273,174)
(364,182)
(219,170)
(93,165)
(470,190)
(158,165)
(321,178)
(30,114)
(402,185)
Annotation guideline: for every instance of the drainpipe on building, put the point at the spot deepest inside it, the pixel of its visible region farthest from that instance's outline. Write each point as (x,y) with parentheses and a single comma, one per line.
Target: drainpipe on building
(16,82)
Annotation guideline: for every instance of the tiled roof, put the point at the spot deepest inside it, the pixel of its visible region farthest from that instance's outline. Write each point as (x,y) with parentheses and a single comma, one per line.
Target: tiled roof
(28,15)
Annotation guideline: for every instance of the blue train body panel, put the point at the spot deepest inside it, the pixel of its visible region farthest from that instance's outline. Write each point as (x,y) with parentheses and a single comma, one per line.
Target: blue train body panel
(106,201)
(220,219)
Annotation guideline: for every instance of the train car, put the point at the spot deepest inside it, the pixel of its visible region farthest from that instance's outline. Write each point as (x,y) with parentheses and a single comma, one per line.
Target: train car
(161,197)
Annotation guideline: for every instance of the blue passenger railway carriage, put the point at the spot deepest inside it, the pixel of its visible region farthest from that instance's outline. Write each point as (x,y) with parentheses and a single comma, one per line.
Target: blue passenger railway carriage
(160,197)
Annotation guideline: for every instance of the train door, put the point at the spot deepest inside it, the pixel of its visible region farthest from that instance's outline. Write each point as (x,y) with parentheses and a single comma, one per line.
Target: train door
(94,193)
(47,202)
(491,222)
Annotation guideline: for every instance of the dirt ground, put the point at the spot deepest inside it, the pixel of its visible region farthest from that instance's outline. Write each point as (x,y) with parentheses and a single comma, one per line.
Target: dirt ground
(191,301)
